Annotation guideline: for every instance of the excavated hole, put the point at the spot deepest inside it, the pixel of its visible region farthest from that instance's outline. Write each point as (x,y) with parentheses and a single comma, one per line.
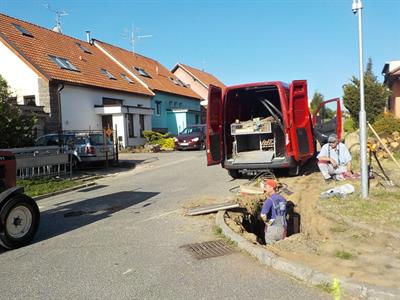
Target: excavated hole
(253,223)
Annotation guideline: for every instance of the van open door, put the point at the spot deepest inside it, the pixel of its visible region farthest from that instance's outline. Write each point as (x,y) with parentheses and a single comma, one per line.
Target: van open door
(214,126)
(301,136)
(326,121)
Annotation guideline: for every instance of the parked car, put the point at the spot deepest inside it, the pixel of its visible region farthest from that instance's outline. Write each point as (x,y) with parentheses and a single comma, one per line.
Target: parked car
(192,137)
(85,147)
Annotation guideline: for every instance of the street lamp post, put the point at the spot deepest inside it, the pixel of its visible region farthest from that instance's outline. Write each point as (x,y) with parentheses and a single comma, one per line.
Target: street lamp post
(357,9)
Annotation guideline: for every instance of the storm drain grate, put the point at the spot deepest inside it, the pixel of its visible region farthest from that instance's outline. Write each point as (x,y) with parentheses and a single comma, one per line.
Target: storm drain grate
(209,249)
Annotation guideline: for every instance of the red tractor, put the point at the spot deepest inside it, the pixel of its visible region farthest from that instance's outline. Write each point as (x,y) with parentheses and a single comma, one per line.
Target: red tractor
(19,214)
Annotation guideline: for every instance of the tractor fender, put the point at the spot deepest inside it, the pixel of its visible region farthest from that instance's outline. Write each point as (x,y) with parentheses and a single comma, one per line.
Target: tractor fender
(9,192)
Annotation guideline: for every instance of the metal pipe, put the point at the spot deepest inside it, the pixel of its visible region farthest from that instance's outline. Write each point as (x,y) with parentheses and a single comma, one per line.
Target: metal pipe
(357,8)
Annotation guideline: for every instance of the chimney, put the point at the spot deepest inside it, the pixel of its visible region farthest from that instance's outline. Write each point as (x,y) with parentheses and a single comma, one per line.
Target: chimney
(88,38)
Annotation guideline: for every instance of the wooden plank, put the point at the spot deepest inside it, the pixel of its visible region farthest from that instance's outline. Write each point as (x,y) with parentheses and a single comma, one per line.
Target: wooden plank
(211,208)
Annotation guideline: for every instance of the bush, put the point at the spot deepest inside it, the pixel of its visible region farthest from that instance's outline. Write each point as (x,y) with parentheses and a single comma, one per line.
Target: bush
(165,141)
(348,125)
(386,124)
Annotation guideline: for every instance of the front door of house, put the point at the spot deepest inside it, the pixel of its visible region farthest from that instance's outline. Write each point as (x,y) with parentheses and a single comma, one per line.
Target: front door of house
(106,121)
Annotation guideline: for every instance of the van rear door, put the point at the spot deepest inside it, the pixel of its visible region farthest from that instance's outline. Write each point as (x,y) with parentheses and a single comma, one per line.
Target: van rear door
(326,121)
(214,126)
(301,136)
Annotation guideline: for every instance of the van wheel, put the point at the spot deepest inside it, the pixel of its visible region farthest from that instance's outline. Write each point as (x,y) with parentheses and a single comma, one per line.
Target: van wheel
(294,171)
(235,174)
(19,218)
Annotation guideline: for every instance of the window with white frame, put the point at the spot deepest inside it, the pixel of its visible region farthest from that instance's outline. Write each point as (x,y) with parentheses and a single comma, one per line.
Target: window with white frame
(142,72)
(126,78)
(83,48)
(108,74)
(63,63)
(22,30)
(29,100)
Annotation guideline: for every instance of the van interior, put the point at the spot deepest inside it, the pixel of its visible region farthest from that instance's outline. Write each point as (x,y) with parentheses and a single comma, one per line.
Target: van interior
(254,130)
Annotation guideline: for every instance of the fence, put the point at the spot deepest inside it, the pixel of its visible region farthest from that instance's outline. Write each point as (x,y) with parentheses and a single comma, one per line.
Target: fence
(41,161)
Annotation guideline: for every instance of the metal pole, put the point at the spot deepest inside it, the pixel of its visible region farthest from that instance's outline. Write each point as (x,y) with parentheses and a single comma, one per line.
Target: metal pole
(357,8)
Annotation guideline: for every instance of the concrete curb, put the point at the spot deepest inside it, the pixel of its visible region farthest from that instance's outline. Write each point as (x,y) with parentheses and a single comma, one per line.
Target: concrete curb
(63,191)
(304,273)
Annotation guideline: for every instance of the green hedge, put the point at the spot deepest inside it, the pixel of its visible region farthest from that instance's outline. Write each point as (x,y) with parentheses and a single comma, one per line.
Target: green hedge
(386,124)
(165,141)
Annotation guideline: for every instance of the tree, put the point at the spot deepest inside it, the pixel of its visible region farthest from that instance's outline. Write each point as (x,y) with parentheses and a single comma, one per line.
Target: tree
(375,94)
(316,101)
(16,129)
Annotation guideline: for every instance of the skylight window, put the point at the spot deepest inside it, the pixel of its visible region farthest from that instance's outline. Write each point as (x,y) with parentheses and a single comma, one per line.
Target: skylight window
(83,48)
(126,78)
(22,30)
(142,72)
(64,63)
(177,81)
(108,74)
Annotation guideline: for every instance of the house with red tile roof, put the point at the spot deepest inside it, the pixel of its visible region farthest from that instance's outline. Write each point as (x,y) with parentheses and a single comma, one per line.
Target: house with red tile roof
(196,79)
(74,84)
(391,72)
(175,105)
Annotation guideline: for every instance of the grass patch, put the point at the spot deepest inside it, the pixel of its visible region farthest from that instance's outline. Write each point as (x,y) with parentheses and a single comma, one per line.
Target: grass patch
(326,287)
(338,229)
(343,254)
(218,232)
(381,208)
(46,185)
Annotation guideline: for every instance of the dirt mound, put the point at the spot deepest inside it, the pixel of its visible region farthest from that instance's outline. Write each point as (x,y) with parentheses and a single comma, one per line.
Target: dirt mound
(327,244)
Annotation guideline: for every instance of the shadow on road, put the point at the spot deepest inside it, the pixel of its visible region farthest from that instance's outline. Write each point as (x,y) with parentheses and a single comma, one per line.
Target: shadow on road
(72,216)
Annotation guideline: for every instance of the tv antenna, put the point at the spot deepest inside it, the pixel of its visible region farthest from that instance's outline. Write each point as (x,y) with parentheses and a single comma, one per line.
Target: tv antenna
(134,37)
(59,14)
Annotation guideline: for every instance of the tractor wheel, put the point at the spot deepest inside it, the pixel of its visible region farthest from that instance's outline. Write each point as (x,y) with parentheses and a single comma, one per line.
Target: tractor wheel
(19,219)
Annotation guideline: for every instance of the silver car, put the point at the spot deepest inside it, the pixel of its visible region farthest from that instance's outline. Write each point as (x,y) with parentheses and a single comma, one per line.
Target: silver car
(84,147)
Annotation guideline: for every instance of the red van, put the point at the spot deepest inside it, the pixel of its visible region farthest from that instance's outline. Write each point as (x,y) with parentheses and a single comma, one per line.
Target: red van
(252,128)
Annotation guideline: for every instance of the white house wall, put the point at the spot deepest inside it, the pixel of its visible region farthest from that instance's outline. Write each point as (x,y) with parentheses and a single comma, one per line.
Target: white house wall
(22,80)
(78,111)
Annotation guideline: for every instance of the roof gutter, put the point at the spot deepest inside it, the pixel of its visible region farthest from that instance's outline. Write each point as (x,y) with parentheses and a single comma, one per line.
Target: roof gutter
(122,66)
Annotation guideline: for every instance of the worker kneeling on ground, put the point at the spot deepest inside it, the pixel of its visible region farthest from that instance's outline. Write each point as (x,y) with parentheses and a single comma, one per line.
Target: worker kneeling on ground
(334,160)
(273,213)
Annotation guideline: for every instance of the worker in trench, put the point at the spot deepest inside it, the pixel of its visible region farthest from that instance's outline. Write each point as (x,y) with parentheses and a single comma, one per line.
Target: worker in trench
(334,160)
(273,213)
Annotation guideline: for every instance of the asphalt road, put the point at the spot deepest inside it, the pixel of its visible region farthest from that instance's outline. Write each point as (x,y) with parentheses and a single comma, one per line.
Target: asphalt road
(122,240)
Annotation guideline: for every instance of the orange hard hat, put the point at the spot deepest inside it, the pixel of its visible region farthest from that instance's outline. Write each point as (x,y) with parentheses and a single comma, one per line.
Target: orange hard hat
(272,183)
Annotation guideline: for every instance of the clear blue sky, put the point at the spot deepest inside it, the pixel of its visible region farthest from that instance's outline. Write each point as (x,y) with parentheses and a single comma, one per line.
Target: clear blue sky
(238,41)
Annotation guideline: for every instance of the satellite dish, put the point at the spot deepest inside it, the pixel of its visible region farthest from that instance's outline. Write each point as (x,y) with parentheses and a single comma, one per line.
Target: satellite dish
(57,29)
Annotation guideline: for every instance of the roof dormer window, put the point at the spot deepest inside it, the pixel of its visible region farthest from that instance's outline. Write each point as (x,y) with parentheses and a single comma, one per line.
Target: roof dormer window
(83,48)
(142,72)
(63,63)
(126,78)
(108,74)
(22,30)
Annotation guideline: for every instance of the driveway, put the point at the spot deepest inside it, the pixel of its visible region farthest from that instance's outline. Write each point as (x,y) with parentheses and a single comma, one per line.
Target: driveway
(123,238)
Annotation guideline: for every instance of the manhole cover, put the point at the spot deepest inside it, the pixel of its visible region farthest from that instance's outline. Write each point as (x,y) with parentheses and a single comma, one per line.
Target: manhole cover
(209,249)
